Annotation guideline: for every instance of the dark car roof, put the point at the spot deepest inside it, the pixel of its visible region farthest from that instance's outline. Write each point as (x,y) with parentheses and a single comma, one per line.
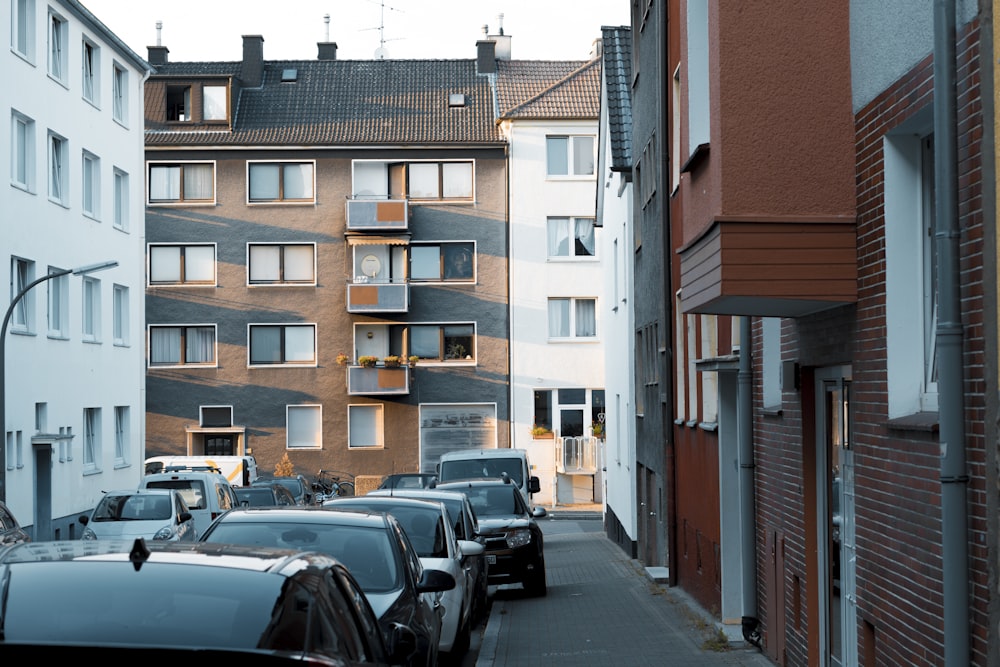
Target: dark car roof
(388,501)
(302,514)
(456,485)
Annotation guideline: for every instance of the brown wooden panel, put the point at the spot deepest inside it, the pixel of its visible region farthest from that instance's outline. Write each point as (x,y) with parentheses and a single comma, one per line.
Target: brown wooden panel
(392,378)
(390,211)
(364,295)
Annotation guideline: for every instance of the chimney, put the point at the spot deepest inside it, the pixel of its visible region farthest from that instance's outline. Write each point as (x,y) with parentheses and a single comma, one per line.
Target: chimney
(158,53)
(486,59)
(502,40)
(327,50)
(252,71)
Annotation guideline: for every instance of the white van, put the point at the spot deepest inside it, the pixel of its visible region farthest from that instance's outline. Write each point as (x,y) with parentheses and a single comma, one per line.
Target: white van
(238,470)
(490,464)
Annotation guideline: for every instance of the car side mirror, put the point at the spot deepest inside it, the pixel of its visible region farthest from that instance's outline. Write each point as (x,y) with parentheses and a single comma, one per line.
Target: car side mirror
(534,486)
(434,581)
(84,520)
(184,516)
(539,512)
(469,548)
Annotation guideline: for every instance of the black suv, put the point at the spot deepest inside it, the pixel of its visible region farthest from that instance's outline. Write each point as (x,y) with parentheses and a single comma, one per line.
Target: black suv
(511,536)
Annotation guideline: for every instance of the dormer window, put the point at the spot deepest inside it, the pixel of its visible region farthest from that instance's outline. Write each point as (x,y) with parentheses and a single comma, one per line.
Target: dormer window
(179,103)
(214,103)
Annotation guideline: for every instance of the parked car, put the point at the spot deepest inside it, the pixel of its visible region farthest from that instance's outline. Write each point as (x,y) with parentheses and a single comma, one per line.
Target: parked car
(207,493)
(490,463)
(512,537)
(466,525)
(238,470)
(154,514)
(374,548)
(431,532)
(409,480)
(122,601)
(10,530)
(264,495)
(300,487)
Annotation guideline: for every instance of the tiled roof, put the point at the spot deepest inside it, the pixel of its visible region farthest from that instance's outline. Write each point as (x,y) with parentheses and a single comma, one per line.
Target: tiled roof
(543,89)
(347,102)
(617,44)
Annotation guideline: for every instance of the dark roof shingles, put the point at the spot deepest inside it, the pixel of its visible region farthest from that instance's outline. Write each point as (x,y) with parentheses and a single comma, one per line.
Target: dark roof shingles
(617,46)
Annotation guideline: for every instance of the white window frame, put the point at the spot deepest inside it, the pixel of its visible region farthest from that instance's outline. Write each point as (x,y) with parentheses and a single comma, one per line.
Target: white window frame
(22,273)
(58,40)
(121,315)
(284,329)
(210,103)
(91,309)
(22,155)
(90,173)
(122,435)
(162,252)
(567,227)
(58,305)
(119,94)
(58,150)
(91,439)
(260,261)
(182,352)
(296,434)
(281,166)
(22,29)
(122,199)
(180,179)
(572,141)
(574,302)
(90,54)
(444,354)
(366,425)
(444,189)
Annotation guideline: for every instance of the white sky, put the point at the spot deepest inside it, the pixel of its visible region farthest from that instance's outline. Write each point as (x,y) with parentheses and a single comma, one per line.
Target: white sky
(212,30)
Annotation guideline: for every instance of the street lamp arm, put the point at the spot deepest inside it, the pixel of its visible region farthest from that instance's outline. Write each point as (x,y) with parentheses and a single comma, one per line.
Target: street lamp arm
(20,295)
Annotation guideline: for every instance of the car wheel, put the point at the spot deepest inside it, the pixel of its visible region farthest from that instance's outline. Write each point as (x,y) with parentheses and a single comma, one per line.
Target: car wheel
(535,583)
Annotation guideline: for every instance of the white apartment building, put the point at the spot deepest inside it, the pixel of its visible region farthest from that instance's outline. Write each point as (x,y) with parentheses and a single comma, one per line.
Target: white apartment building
(74,356)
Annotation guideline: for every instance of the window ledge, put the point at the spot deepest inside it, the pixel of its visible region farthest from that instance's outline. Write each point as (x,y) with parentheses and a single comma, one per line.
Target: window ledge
(771,411)
(925,422)
(698,155)
(709,426)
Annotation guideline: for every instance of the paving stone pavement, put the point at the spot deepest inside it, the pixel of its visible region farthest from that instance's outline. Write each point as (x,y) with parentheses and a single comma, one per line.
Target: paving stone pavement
(601,609)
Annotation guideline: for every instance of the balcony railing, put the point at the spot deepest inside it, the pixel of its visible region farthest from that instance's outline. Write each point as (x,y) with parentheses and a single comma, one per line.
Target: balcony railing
(577,455)
(378,215)
(378,380)
(365,296)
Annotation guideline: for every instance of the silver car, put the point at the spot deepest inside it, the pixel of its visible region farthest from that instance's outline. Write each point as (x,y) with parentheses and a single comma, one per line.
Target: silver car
(154,514)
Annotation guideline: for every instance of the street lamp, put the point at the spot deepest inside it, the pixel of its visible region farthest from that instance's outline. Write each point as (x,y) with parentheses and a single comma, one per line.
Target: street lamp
(79,271)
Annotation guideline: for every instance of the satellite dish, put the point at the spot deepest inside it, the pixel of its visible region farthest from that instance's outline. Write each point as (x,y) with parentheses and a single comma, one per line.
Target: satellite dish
(371,265)
(381,53)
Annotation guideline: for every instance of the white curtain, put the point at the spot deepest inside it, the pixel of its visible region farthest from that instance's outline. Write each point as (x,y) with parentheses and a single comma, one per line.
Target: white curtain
(298,181)
(198,181)
(300,344)
(558,237)
(586,324)
(164,183)
(363,426)
(164,264)
(264,182)
(200,345)
(305,426)
(199,264)
(584,237)
(265,263)
(299,264)
(457,177)
(583,156)
(558,318)
(165,345)
(423,180)
(265,345)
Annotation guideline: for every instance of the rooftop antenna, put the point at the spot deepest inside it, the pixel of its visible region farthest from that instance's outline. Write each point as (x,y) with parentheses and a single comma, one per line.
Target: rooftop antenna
(159,30)
(500,21)
(381,52)
(326,20)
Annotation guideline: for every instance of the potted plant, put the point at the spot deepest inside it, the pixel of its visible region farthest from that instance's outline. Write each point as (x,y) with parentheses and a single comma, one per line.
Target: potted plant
(598,429)
(367,360)
(541,431)
(392,361)
(413,359)
(342,359)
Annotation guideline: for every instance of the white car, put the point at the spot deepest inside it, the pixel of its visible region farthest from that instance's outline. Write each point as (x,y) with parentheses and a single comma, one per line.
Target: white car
(207,493)
(154,514)
(428,526)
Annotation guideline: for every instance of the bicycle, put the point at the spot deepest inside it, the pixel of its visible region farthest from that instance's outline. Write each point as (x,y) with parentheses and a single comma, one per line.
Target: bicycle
(331,484)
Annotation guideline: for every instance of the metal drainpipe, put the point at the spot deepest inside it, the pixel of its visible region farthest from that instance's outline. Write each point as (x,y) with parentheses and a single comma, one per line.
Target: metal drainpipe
(954,478)
(748,522)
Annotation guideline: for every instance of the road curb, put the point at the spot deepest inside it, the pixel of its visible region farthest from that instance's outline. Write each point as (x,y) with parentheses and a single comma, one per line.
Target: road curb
(488,647)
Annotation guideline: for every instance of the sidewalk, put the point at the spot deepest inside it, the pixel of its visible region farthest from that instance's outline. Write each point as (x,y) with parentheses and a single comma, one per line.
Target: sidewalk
(602,607)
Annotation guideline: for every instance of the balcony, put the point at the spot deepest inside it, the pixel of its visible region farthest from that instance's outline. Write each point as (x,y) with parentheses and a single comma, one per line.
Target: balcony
(577,455)
(367,296)
(378,381)
(378,215)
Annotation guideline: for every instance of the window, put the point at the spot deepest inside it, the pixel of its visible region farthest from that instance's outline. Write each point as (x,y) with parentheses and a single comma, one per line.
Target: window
(22,273)
(58,36)
(22,33)
(572,318)
(364,426)
(443,262)
(439,180)
(213,102)
(119,93)
(121,311)
(285,344)
(58,169)
(22,156)
(280,181)
(91,438)
(543,409)
(182,345)
(91,185)
(305,427)
(443,342)
(121,434)
(121,200)
(182,264)
(91,309)
(571,237)
(58,306)
(277,264)
(179,103)
(91,71)
(569,155)
(181,183)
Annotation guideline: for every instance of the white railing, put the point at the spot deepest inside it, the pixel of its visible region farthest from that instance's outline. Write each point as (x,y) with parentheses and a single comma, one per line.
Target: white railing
(577,455)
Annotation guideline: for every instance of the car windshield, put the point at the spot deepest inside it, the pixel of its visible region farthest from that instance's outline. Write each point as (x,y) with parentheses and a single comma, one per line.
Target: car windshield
(192,490)
(133,507)
(423,525)
(366,552)
(109,603)
(490,468)
(256,497)
(495,500)
(293,484)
